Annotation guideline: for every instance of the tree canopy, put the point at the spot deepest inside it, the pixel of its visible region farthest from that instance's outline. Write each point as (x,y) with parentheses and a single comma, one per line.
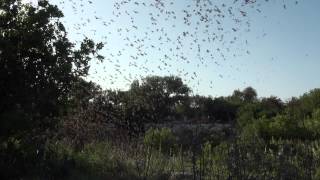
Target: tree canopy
(38,64)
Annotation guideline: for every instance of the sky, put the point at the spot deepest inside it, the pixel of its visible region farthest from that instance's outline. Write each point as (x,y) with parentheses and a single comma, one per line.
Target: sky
(275,48)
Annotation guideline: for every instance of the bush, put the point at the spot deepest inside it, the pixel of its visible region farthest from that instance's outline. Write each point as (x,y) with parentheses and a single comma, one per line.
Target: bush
(276,159)
(94,161)
(162,139)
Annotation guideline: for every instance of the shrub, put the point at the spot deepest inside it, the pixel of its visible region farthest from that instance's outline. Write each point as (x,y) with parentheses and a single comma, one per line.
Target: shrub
(162,139)
(94,161)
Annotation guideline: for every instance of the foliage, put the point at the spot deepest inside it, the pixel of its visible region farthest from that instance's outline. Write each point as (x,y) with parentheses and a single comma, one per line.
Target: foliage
(37,61)
(56,125)
(258,160)
(249,94)
(162,139)
(159,95)
(38,68)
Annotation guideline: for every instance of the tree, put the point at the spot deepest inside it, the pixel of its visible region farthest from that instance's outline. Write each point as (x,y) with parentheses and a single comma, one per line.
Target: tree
(249,94)
(310,101)
(159,95)
(38,66)
(237,97)
(223,111)
(271,106)
(199,107)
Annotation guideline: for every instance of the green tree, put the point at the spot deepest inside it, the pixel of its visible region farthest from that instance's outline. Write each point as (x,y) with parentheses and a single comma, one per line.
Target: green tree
(198,107)
(236,97)
(249,94)
(159,95)
(38,66)
(222,110)
(271,106)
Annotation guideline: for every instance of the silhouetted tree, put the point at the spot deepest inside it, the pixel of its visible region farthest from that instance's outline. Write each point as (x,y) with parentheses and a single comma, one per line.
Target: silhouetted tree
(38,65)
(38,68)
(271,106)
(249,94)
(159,95)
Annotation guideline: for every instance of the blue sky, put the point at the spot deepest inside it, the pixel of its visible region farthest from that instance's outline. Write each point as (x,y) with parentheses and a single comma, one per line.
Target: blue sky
(283,46)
